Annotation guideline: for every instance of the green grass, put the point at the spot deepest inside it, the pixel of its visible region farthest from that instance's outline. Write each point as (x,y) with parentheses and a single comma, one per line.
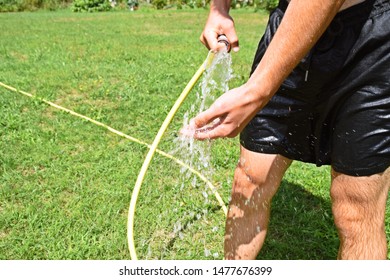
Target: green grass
(65,184)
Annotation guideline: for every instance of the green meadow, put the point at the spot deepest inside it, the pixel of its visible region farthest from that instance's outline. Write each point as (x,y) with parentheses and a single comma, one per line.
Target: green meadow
(66,184)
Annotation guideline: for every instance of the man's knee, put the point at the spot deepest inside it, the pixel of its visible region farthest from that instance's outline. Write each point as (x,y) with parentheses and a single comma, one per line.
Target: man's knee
(358,205)
(358,202)
(259,172)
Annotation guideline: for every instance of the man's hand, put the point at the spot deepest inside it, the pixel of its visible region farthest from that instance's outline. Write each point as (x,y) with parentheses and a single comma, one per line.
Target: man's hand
(227,116)
(219,22)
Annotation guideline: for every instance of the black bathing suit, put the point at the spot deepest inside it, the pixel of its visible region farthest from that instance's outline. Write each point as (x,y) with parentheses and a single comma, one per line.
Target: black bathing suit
(334,108)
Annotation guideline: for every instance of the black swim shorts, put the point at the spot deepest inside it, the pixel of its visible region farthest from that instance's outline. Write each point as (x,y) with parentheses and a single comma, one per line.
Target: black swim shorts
(334,108)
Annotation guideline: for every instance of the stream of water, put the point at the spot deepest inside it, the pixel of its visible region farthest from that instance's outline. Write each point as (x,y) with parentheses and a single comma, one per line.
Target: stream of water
(197,154)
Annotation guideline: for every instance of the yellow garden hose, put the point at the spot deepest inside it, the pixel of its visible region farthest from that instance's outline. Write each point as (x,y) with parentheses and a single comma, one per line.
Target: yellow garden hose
(152,148)
(149,156)
(133,139)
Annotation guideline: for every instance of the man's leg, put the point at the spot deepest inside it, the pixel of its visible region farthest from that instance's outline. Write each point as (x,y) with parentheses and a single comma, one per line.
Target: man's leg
(359,212)
(256,180)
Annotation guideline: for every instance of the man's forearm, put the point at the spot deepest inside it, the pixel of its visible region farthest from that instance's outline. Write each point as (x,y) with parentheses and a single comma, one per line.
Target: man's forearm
(302,25)
(220,6)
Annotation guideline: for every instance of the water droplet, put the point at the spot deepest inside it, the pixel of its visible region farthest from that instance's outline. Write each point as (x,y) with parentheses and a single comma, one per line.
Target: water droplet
(207,252)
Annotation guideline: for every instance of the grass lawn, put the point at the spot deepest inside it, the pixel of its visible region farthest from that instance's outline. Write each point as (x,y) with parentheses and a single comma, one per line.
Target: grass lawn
(65,184)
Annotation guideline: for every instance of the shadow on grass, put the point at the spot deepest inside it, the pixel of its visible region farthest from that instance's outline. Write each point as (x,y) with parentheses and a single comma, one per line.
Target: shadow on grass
(301,227)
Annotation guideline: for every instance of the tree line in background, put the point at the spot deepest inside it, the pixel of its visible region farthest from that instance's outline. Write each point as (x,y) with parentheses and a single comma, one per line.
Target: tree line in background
(106,5)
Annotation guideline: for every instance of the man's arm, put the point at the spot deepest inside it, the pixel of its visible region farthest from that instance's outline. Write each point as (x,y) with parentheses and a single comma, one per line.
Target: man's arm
(302,25)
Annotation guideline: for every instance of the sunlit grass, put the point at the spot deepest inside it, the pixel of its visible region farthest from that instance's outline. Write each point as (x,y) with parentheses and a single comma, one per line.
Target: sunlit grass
(65,184)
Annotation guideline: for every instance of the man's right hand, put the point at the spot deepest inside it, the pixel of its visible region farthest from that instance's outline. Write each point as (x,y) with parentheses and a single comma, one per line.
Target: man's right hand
(218,23)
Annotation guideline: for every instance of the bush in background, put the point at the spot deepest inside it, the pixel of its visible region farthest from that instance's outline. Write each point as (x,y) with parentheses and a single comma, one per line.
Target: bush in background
(32,5)
(91,6)
(234,4)
(266,4)
(105,5)
(159,4)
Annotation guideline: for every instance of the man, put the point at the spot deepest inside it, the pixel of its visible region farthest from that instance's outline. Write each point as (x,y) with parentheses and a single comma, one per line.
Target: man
(319,92)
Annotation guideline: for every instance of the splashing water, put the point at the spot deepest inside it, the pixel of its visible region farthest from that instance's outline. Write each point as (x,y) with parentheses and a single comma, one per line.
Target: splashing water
(188,216)
(197,154)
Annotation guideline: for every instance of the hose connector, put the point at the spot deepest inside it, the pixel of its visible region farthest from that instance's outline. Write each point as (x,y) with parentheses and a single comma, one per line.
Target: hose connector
(223,39)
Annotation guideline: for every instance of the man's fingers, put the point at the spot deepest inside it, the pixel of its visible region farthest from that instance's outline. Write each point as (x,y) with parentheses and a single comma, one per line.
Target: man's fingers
(202,124)
(204,41)
(233,40)
(205,118)
(220,131)
(209,39)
